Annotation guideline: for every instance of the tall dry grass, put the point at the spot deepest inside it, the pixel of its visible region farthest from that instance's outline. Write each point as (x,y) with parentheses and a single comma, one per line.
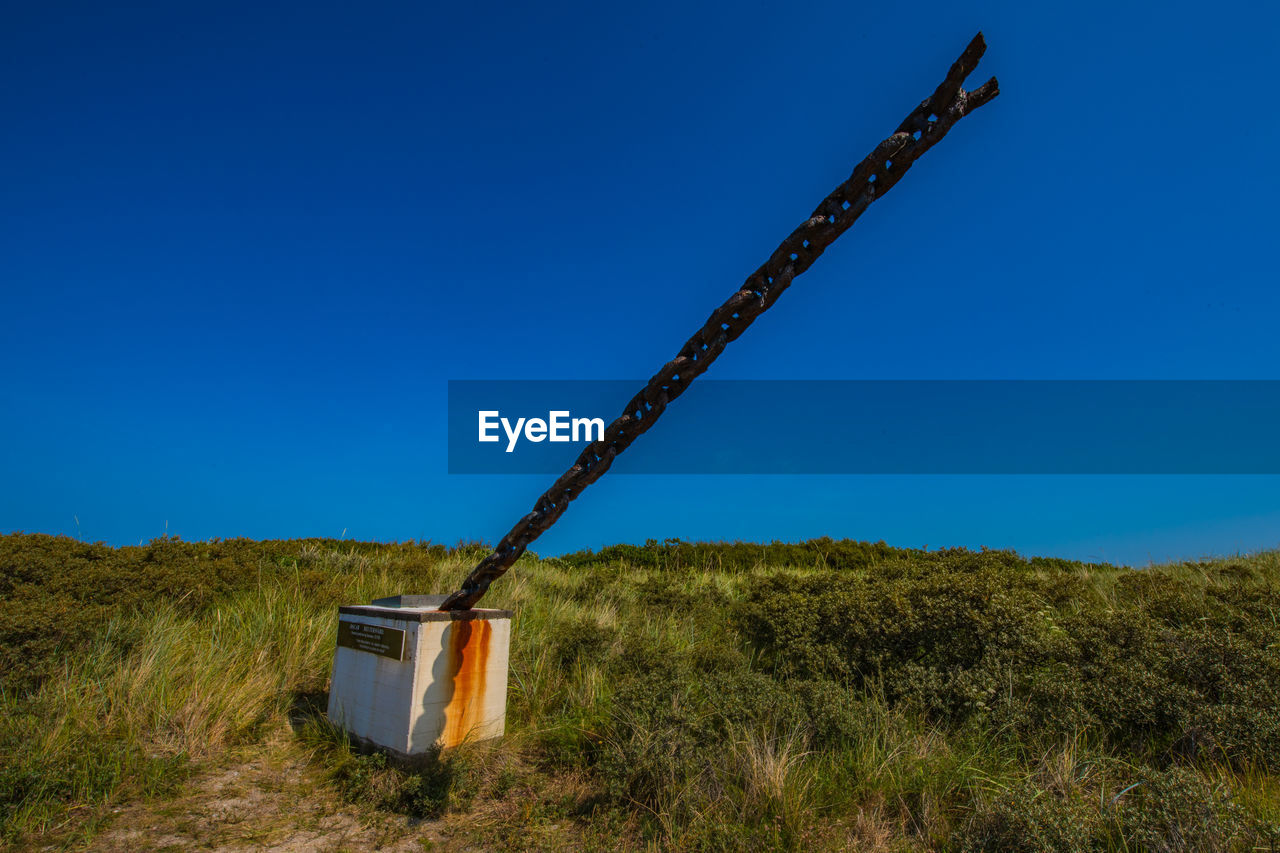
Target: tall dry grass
(162,691)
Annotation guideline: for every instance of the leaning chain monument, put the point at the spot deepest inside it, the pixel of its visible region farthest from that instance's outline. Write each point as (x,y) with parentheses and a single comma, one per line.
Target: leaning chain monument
(872,178)
(416,673)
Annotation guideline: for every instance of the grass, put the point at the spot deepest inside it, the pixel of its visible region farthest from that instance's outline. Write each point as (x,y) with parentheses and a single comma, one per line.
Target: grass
(678,696)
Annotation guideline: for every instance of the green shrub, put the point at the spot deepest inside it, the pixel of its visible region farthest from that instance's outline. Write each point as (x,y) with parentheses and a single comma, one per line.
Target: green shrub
(1028,819)
(435,786)
(1176,809)
(1166,667)
(675,554)
(579,640)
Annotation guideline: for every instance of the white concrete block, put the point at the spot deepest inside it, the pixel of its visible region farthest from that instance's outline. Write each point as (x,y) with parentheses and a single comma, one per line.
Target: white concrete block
(407,676)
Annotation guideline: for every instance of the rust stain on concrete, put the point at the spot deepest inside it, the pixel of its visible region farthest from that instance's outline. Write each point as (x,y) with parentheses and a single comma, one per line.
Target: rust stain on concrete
(469,666)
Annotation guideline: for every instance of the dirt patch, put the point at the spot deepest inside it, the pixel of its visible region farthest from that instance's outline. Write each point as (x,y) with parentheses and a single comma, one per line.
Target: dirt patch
(273,797)
(267,799)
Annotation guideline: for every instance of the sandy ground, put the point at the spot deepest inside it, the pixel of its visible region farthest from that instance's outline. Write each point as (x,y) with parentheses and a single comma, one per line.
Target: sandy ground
(272,802)
(271,798)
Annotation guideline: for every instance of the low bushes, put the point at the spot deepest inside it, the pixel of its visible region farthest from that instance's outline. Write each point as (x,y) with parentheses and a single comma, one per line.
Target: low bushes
(676,554)
(1158,665)
(1174,809)
(823,695)
(58,591)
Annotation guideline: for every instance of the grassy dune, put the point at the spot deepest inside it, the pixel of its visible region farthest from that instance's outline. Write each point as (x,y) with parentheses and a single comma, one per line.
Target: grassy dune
(677,696)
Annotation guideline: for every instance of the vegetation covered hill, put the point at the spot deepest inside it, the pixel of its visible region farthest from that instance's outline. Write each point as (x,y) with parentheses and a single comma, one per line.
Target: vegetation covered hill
(823,695)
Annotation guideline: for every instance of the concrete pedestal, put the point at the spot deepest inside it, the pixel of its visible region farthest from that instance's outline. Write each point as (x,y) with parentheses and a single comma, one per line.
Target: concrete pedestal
(407,677)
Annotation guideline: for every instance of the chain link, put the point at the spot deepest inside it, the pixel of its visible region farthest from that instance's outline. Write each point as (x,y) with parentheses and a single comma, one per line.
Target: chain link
(872,178)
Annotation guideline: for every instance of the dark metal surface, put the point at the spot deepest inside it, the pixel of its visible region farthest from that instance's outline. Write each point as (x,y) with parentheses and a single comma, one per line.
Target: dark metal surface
(872,178)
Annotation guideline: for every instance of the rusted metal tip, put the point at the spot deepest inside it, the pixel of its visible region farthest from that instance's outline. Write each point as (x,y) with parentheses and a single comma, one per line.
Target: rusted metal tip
(968,60)
(982,94)
(945,94)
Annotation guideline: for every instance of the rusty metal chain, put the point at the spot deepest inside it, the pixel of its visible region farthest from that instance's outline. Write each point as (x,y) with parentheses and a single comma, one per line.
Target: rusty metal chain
(872,178)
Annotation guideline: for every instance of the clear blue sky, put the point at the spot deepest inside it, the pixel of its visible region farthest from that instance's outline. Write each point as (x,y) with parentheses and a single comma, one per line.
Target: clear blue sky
(244,246)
